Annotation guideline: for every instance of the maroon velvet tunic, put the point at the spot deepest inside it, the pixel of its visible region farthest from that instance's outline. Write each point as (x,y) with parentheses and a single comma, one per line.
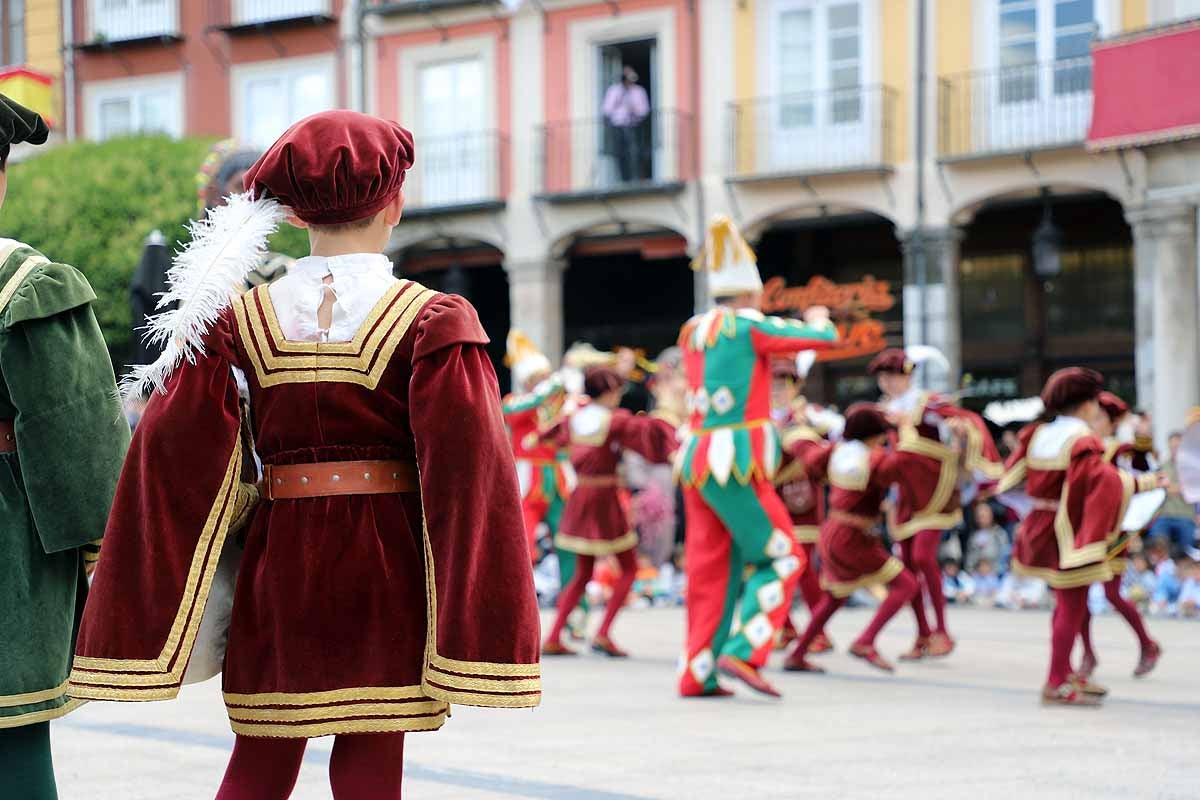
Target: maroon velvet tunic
(363,613)
(852,555)
(803,494)
(1079,501)
(594,521)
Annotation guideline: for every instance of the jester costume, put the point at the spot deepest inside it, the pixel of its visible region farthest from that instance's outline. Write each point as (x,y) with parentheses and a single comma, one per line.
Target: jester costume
(383,571)
(739,548)
(62,439)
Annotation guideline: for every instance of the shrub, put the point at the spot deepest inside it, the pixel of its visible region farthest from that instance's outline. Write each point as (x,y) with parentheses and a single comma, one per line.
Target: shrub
(92,205)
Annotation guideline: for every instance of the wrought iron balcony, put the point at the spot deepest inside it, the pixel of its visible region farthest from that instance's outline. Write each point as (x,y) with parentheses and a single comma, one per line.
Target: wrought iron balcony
(812,133)
(115,21)
(589,157)
(457,172)
(1015,109)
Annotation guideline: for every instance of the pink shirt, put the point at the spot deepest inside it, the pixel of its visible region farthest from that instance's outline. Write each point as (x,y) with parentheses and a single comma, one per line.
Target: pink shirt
(625,106)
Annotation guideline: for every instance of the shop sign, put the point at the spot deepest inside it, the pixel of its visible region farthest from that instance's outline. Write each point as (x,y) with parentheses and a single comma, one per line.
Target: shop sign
(851,305)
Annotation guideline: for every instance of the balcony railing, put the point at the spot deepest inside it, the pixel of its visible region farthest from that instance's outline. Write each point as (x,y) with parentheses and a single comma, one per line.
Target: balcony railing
(593,156)
(131,20)
(465,169)
(812,133)
(262,12)
(1014,109)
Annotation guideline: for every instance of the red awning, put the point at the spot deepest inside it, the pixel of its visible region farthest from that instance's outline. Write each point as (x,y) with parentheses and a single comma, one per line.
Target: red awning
(1146,87)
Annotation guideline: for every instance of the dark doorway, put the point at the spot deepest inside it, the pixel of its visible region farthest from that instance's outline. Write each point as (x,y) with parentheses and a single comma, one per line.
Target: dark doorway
(621,293)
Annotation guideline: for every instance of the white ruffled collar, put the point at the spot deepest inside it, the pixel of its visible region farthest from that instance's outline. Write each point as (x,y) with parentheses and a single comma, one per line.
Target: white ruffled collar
(359,280)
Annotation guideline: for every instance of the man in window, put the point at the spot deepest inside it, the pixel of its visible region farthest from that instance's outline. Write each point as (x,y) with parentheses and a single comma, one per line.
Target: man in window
(626,106)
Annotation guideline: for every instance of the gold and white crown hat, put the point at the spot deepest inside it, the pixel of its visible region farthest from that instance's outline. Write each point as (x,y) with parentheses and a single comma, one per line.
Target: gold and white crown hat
(727,261)
(524,359)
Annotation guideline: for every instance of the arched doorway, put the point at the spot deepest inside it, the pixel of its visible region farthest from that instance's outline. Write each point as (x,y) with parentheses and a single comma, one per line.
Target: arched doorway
(852,262)
(472,269)
(628,286)
(1020,324)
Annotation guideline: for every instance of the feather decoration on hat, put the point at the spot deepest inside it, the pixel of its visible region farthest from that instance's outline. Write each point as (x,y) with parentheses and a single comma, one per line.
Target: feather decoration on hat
(1003,413)
(925,354)
(204,276)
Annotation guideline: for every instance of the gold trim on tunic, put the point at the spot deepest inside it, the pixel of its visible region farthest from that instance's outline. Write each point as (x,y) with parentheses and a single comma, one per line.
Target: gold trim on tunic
(885,574)
(596,547)
(806,534)
(29,698)
(34,717)
(1067,579)
(429,722)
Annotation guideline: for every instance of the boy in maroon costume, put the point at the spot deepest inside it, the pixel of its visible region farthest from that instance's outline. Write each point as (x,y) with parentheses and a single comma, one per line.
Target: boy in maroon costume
(388,485)
(860,471)
(1078,501)
(928,499)
(595,522)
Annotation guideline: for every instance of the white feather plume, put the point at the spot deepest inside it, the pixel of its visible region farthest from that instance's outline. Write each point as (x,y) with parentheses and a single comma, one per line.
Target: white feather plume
(229,242)
(925,354)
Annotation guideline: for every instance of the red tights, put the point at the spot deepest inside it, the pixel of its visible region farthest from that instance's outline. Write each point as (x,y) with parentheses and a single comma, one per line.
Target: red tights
(365,766)
(570,596)
(1070,606)
(1112,590)
(900,591)
(920,555)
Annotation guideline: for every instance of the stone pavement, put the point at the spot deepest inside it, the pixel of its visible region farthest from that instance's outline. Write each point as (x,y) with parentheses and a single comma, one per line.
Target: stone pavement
(969,726)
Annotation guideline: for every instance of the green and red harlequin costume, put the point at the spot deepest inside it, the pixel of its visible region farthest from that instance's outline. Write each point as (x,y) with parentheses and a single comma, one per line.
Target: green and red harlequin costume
(739,545)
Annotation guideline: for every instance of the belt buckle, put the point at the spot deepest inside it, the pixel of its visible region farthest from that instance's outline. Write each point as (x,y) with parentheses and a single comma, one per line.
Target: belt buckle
(268,492)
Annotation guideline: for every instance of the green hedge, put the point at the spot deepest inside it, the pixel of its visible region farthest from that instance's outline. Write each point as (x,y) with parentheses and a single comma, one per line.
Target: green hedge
(93,204)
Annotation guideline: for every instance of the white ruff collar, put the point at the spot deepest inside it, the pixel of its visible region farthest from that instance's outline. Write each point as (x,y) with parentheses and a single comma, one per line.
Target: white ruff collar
(359,281)
(1050,439)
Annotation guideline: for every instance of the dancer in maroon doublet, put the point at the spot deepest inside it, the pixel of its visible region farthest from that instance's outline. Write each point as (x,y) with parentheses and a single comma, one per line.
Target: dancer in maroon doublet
(861,472)
(595,522)
(1078,501)
(928,502)
(1124,455)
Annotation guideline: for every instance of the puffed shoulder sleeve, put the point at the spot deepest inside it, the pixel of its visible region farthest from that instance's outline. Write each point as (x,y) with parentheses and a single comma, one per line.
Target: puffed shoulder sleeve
(447,320)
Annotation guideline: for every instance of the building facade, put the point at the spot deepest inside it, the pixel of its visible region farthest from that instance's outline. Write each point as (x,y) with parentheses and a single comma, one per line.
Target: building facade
(927,167)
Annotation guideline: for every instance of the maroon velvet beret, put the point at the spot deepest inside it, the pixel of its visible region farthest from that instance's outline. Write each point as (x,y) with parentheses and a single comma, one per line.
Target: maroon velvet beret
(333,167)
(1114,406)
(891,360)
(601,380)
(864,420)
(1071,386)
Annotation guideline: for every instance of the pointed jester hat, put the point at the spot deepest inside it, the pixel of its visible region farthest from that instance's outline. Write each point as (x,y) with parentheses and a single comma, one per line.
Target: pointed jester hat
(727,261)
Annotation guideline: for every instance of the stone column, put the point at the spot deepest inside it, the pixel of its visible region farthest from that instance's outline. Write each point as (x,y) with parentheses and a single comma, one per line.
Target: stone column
(942,327)
(535,291)
(1164,238)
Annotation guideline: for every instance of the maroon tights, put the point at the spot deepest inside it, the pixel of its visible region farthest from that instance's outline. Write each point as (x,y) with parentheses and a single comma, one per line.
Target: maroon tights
(570,596)
(1112,590)
(920,554)
(1070,606)
(362,767)
(900,591)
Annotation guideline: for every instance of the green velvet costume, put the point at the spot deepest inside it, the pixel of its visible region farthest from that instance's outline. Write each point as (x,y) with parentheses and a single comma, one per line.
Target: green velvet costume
(58,390)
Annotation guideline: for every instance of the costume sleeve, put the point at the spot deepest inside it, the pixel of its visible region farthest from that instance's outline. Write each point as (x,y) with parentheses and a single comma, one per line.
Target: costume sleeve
(886,467)
(982,456)
(177,498)
(1097,496)
(484,628)
(70,431)
(779,335)
(650,437)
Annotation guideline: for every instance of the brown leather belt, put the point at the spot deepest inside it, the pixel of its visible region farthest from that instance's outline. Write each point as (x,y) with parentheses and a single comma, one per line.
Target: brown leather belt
(853,520)
(8,436)
(330,478)
(599,481)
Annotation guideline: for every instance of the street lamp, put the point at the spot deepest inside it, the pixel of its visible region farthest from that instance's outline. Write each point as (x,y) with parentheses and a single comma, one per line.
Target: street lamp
(1047,244)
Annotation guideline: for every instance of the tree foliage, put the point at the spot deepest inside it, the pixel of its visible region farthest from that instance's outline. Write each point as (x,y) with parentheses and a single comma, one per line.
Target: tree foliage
(92,205)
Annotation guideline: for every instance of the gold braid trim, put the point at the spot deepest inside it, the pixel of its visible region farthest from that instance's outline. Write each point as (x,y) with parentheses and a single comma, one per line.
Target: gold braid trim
(430,722)
(325,698)
(885,574)
(491,685)
(596,547)
(1070,556)
(34,717)
(409,709)
(131,694)
(182,636)
(1067,579)
(806,534)
(482,699)
(442,664)
(29,698)
(1013,478)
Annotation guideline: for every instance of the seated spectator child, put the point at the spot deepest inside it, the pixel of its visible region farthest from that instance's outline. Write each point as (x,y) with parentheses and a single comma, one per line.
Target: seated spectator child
(1139,582)
(1189,592)
(987,582)
(1167,580)
(956,584)
(1020,592)
(989,541)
